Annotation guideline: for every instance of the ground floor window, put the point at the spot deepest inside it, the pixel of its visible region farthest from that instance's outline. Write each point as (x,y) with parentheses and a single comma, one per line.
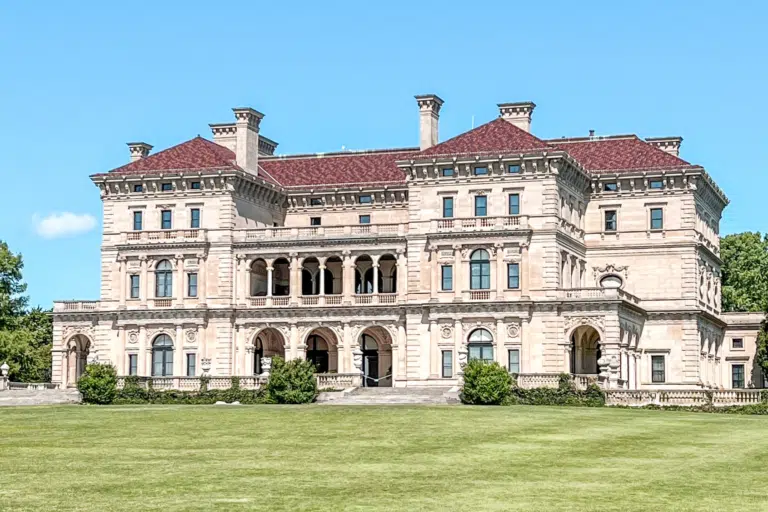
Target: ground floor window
(481,345)
(162,356)
(737,376)
(191,363)
(514,361)
(657,369)
(447,364)
(133,364)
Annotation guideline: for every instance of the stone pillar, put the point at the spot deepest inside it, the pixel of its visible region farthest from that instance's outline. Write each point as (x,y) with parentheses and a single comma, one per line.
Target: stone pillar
(144,294)
(458,346)
(119,356)
(458,285)
(434,280)
(270,269)
(294,279)
(375,265)
(501,338)
(294,344)
(202,343)
(202,292)
(631,363)
(575,272)
(347,335)
(121,264)
(348,278)
(402,275)
(178,352)
(321,269)
(178,280)
(402,351)
(524,270)
(145,358)
(500,271)
(434,360)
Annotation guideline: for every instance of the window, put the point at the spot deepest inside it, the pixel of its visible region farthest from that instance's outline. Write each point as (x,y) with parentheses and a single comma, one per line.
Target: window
(194,214)
(162,356)
(315,201)
(657,369)
(164,279)
(133,364)
(513,169)
(135,286)
(138,220)
(481,206)
(656,184)
(480,270)
(481,345)
(165,187)
(737,376)
(365,219)
(514,204)
(737,343)
(447,278)
(610,187)
(657,218)
(192,284)
(447,364)
(366,199)
(610,220)
(191,363)
(513,357)
(446,171)
(138,188)
(447,207)
(480,171)
(165,219)
(195,185)
(513,276)
(314,221)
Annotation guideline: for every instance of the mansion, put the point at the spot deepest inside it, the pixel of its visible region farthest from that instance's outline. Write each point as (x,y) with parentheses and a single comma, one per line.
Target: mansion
(597,256)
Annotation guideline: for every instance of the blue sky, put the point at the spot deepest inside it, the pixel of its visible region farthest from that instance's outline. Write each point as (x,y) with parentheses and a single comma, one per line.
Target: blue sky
(79,81)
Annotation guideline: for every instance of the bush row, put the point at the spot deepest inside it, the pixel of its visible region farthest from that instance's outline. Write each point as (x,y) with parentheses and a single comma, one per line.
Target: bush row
(490,384)
(291,382)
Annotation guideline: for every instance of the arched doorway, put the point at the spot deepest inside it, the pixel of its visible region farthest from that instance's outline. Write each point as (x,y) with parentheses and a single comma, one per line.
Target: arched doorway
(162,356)
(376,345)
(322,350)
(480,345)
(78,348)
(585,350)
(268,343)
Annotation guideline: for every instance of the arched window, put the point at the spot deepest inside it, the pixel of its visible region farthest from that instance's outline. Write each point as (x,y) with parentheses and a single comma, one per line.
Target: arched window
(162,356)
(481,345)
(480,270)
(308,286)
(164,279)
(611,281)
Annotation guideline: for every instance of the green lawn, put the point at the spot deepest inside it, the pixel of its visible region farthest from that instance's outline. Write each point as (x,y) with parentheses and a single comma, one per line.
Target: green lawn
(379,458)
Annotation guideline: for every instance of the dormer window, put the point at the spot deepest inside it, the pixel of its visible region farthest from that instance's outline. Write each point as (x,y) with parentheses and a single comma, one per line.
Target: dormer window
(195,185)
(165,187)
(656,184)
(315,201)
(513,169)
(446,172)
(365,199)
(610,186)
(138,188)
(480,171)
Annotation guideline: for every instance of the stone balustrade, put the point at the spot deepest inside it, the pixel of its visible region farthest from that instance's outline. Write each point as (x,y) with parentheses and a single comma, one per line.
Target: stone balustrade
(337,380)
(685,398)
(165,236)
(193,383)
(75,305)
(479,223)
(596,293)
(310,232)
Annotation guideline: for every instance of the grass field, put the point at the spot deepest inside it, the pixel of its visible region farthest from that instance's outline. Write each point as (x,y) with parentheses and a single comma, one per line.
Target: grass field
(378,458)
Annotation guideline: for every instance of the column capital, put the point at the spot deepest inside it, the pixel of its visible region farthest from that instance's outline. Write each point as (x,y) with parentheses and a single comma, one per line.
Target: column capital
(322,267)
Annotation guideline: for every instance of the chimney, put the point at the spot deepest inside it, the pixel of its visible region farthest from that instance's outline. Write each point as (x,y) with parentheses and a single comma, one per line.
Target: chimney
(225,134)
(519,114)
(429,114)
(247,138)
(138,150)
(669,145)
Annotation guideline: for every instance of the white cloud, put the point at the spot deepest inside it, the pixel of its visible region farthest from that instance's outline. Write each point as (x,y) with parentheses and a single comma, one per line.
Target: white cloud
(64,224)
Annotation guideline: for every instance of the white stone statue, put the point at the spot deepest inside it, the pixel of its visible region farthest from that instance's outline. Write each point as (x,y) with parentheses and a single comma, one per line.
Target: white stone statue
(357,359)
(266,366)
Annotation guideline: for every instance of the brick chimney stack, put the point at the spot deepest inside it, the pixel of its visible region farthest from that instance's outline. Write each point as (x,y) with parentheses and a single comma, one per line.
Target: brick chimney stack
(429,115)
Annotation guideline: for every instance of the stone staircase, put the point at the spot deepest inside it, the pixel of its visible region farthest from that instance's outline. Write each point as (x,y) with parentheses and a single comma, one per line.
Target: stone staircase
(39,397)
(391,396)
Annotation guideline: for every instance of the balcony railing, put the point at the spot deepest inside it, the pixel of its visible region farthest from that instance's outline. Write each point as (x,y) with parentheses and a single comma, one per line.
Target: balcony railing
(162,303)
(322,300)
(476,295)
(475,223)
(375,298)
(353,230)
(597,293)
(165,236)
(75,305)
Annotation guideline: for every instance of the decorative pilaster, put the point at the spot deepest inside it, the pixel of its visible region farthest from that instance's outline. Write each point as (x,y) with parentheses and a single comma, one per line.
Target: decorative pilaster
(500,273)
(402,275)
(501,338)
(178,352)
(144,294)
(202,292)
(434,359)
(457,273)
(121,275)
(524,269)
(294,279)
(178,281)
(434,273)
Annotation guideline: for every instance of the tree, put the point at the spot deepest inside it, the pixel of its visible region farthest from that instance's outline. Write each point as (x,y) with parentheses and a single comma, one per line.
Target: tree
(12,299)
(745,272)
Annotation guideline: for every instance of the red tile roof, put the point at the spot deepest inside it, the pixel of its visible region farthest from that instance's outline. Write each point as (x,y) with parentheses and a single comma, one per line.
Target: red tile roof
(495,137)
(621,153)
(336,169)
(193,155)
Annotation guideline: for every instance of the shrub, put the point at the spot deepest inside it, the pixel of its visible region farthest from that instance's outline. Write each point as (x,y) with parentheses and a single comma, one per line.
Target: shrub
(98,384)
(292,382)
(565,394)
(485,384)
(134,393)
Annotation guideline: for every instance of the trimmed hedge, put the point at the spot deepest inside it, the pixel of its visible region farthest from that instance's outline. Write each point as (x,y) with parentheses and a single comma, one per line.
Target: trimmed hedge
(485,384)
(565,394)
(134,393)
(292,382)
(98,384)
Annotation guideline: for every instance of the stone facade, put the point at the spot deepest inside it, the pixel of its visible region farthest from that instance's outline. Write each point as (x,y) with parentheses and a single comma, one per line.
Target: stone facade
(595,256)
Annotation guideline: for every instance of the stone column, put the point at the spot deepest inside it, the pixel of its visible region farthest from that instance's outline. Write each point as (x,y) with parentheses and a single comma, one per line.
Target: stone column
(402,275)
(347,335)
(294,344)
(178,280)
(402,351)
(121,264)
(458,346)
(178,352)
(144,280)
(202,292)
(434,360)
(321,269)
(575,272)
(501,338)
(524,270)
(458,285)
(120,352)
(294,279)
(375,265)
(144,360)
(434,283)
(348,278)
(202,343)
(270,269)
(631,363)
(500,273)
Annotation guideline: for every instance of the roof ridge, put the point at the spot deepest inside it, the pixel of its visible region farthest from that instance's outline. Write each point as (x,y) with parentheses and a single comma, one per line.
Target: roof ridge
(593,138)
(356,152)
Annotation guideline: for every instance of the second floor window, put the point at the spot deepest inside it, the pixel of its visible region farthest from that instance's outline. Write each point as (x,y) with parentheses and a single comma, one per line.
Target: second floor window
(480,171)
(446,278)
(447,207)
(135,286)
(165,219)
(138,221)
(138,188)
(610,220)
(657,218)
(737,343)
(365,199)
(166,187)
(514,204)
(192,285)
(365,219)
(195,185)
(164,279)
(513,276)
(194,218)
(513,361)
(315,201)
(446,171)
(513,169)
(314,221)
(481,206)
(656,184)
(480,270)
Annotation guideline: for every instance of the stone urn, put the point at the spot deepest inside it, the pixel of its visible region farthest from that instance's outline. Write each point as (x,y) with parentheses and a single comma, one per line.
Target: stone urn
(266,366)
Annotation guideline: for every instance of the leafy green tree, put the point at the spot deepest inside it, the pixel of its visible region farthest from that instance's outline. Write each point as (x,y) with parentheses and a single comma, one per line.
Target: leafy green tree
(745,272)
(12,299)
(27,360)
